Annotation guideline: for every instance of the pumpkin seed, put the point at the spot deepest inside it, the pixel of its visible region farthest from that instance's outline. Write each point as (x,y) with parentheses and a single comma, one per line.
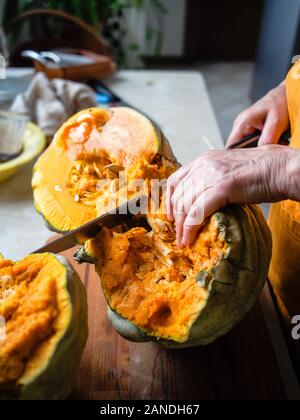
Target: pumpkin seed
(158,279)
(114,185)
(97,170)
(78,166)
(114,168)
(75,178)
(140,276)
(7,293)
(57,188)
(162,226)
(88,169)
(6,279)
(89,203)
(84,180)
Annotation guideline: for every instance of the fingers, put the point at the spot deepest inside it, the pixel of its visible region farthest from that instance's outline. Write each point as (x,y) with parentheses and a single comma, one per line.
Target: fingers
(189,234)
(181,206)
(208,203)
(269,115)
(183,196)
(169,208)
(180,218)
(246,123)
(272,130)
(193,221)
(238,132)
(172,184)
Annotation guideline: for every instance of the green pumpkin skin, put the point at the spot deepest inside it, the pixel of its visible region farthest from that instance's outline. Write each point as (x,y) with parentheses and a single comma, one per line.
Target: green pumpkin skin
(234,284)
(55,380)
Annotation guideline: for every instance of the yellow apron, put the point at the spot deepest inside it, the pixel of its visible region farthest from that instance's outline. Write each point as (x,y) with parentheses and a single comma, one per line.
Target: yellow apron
(284,222)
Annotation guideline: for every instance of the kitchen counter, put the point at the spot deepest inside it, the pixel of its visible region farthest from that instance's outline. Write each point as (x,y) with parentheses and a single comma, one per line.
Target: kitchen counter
(177,101)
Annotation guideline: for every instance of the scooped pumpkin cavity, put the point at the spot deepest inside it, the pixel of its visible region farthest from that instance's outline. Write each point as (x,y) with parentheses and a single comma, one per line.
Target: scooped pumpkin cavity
(148,280)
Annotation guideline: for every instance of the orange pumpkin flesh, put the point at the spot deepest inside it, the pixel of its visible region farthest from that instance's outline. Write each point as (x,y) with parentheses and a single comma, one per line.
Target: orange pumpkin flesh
(75,179)
(28,302)
(43,306)
(148,280)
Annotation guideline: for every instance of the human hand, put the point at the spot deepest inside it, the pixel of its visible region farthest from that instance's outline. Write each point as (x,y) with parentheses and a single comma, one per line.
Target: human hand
(269,115)
(221,177)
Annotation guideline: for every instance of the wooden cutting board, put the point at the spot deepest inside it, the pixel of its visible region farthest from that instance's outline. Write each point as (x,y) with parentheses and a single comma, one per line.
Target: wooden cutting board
(241,365)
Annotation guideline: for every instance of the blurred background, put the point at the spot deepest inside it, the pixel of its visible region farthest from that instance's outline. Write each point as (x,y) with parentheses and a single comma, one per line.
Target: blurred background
(243,48)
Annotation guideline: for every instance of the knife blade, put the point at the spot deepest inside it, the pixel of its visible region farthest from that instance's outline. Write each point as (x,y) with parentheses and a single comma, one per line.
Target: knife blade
(252,140)
(110,219)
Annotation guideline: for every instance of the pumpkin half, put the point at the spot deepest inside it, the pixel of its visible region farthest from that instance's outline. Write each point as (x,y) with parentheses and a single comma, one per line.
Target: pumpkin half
(75,178)
(182,297)
(43,310)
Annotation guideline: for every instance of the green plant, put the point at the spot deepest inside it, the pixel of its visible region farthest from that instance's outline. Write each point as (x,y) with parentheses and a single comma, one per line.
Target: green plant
(106,16)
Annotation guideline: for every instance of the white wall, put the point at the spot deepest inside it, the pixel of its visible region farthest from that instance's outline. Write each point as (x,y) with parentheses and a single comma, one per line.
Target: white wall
(174,27)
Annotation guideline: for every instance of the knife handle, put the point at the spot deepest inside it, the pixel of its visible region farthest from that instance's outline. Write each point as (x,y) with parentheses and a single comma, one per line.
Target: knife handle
(252,140)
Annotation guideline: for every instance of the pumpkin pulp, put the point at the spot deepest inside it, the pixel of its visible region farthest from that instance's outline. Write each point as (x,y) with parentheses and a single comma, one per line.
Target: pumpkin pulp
(148,280)
(35,307)
(77,177)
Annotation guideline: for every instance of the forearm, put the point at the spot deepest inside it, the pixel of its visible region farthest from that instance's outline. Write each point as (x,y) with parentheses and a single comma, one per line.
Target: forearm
(264,174)
(272,174)
(292,179)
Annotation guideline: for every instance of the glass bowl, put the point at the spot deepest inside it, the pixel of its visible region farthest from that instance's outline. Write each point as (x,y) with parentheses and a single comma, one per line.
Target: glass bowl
(12,129)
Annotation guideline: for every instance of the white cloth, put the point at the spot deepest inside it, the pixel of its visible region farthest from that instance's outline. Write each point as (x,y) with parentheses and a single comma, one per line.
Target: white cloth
(49,103)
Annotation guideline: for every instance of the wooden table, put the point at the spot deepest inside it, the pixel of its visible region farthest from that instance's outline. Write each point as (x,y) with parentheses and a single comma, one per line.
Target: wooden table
(241,365)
